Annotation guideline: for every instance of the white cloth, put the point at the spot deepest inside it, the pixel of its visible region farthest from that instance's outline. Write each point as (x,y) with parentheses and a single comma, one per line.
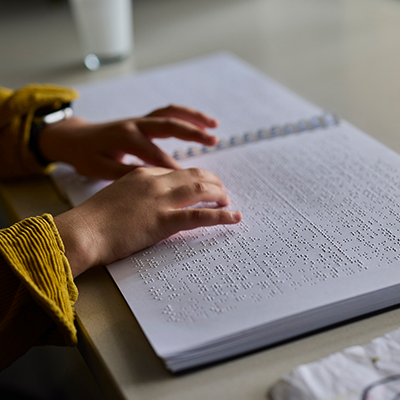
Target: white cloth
(364,372)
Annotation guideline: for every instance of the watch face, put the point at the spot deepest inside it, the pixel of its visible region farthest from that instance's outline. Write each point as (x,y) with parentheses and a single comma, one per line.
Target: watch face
(57,116)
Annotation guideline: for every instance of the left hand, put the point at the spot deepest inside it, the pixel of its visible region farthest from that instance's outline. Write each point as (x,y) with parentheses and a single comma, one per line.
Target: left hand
(97,150)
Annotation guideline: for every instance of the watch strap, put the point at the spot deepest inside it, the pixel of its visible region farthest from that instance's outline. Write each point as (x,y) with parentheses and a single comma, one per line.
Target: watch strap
(43,117)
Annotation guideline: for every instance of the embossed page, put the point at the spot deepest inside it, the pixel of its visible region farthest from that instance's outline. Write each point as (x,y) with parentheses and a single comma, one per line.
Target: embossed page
(222,85)
(320,232)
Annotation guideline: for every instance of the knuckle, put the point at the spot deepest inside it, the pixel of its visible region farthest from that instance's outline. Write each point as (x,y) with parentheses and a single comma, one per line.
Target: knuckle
(140,173)
(169,122)
(126,129)
(199,187)
(220,218)
(196,173)
(197,215)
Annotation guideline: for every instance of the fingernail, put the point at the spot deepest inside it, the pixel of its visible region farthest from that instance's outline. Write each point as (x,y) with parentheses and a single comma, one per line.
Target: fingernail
(236,216)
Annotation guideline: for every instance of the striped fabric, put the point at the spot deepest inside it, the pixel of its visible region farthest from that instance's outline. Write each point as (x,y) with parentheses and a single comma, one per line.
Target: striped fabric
(37,291)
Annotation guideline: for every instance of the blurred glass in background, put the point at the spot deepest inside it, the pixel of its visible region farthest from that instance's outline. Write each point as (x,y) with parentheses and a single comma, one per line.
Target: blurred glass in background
(105,29)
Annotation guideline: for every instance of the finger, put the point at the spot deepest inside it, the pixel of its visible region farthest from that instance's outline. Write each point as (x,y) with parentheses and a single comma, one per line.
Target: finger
(162,128)
(108,169)
(181,220)
(149,152)
(158,170)
(191,175)
(186,113)
(188,195)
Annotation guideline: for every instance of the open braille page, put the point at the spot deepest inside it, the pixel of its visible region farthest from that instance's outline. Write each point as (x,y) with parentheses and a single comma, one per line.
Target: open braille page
(320,238)
(221,85)
(319,243)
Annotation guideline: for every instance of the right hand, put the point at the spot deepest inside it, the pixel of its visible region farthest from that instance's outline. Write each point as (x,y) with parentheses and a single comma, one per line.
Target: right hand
(137,211)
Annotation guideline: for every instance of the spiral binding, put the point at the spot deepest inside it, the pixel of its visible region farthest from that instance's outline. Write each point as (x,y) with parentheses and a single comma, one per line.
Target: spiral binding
(323,121)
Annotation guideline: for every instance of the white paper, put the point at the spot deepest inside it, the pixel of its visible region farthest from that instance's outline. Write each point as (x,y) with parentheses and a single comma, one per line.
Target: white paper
(314,233)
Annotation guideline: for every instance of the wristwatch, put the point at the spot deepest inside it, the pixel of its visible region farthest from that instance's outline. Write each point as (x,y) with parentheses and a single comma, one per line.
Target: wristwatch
(43,117)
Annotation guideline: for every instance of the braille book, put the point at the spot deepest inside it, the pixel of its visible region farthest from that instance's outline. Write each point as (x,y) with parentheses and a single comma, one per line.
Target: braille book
(319,242)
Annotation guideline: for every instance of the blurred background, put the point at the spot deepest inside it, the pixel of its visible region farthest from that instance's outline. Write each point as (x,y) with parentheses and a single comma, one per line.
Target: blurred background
(339,54)
(343,55)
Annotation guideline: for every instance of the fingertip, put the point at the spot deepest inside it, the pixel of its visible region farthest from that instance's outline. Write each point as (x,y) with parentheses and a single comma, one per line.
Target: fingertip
(211,140)
(212,122)
(215,140)
(225,203)
(236,216)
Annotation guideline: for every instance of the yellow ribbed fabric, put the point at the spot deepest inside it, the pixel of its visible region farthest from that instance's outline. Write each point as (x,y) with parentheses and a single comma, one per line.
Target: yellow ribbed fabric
(37,291)
(16,114)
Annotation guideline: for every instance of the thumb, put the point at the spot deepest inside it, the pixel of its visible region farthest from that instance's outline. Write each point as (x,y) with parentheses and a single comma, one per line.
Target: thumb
(111,170)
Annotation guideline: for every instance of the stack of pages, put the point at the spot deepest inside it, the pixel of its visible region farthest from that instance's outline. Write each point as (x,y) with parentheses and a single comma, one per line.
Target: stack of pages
(320,238)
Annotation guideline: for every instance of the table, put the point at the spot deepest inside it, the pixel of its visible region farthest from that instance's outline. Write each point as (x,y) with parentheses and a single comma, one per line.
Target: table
(343,55)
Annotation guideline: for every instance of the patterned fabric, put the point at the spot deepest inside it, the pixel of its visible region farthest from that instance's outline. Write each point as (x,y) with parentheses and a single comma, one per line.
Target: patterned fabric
(37,291)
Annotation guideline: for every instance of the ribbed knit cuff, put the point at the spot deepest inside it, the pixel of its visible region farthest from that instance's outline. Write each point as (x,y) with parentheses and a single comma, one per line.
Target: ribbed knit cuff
(35,253)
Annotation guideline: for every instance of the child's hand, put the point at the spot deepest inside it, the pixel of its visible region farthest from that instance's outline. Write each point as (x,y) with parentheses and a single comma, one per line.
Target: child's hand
(139,210)
(97,150)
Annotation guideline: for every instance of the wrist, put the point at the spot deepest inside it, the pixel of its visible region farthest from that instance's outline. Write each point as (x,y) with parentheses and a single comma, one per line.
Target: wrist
(79,242)
(56,141)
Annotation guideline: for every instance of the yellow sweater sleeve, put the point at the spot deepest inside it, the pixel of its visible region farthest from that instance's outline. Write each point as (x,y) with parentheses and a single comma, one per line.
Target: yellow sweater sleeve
(37,291)
(16,113)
